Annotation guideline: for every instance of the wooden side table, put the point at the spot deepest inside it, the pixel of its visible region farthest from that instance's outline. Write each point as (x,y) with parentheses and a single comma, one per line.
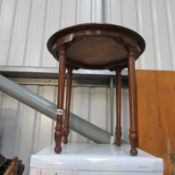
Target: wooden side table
(96,46)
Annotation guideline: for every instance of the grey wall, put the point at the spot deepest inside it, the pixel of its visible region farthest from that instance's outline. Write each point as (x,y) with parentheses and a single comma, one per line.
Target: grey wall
(25,26)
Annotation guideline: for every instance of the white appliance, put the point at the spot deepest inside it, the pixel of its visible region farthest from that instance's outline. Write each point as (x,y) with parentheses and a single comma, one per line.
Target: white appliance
(94,159)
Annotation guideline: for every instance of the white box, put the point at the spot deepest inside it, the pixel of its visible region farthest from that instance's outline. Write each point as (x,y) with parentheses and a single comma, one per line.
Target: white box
(94,159)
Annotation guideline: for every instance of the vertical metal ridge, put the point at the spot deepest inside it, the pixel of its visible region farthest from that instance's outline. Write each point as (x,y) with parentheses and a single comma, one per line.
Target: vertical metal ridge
(90,20)
(1,102)
(104,13)
(41,93)
(60,17)
(43,33)
(78,11)
(53,122)
(36,131)
(110,4)
(125,113)
(121,11)
(59,22)
(112,102)
(1,4)
(155,34)
(95,8)
(72,110)
(18,130)
(27,33)
(11,32)
(140,27)
(1,99)
(1,14)
(171,34)
(36,127)
(107,127)
(76,7)
(1,106)
(21,108)
(89,107)
(91,11)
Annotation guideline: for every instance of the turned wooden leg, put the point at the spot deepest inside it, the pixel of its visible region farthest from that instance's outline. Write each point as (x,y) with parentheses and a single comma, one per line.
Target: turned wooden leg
(60,100)
(68,100)
(118,132)
(133,135)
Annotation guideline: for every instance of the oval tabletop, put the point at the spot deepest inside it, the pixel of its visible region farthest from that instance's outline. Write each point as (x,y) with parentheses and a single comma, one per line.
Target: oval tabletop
(96,46)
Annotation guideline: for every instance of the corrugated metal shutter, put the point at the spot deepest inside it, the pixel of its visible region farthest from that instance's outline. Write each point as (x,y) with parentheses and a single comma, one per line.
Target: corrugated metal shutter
(25,26)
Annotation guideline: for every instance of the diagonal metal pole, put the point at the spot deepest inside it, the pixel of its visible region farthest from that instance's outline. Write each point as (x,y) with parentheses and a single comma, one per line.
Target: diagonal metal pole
(48,108)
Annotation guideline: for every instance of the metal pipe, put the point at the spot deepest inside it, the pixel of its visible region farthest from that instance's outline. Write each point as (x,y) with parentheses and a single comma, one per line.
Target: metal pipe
(48,108)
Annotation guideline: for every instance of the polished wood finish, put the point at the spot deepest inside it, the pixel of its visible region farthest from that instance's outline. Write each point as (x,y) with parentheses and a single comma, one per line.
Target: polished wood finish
(12,169)
(156,115)
(133,136)
(118,132)
(68,101)
(97,46)
(61,82)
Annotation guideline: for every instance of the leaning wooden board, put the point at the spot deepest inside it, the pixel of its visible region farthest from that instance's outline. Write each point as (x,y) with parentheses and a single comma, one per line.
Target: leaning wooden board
(156,111)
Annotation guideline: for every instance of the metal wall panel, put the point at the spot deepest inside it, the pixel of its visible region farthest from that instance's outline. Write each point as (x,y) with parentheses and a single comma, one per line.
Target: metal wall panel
(25,26)
(24,131)
(153,19)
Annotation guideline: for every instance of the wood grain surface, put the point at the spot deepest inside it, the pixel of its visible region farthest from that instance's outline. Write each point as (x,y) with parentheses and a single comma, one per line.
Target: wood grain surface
(156,111)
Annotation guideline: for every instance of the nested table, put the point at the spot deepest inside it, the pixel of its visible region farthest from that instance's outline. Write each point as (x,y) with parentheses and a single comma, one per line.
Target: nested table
(96,46)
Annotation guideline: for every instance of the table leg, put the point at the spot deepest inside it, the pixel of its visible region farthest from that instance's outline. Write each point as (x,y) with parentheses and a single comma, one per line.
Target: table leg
(68,101)
(60,100)
(118,132)
(133,135)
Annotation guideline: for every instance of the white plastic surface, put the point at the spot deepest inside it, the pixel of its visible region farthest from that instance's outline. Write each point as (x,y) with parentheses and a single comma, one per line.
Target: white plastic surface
(35,171)
(94,159)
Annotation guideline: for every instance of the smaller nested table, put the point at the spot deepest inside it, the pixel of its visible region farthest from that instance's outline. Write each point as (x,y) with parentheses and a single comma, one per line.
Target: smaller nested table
(96,46)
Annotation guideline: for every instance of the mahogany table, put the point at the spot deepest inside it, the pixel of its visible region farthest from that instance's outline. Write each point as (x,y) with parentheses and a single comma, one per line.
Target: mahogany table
(96,46)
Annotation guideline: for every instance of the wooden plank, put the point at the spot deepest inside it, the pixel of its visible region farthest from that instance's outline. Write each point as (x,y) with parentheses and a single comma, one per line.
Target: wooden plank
(156,99)
(12,169)
(166,99)
(148,122)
